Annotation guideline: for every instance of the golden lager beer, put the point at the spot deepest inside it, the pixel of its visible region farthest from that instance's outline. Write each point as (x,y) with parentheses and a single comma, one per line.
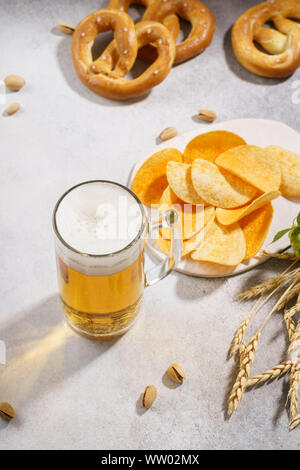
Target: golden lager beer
(100,230)
(101,305)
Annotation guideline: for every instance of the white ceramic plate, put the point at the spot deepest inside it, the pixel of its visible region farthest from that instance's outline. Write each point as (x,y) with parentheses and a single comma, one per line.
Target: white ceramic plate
(255,132)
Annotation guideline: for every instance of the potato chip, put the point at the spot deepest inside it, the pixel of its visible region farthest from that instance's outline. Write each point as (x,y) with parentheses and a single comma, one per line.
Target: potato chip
(289,163)
(169,198)
(179,177)
(193,218)
(150,180)
(218,187)
(250,163)
(230,216)
(222,245)
(164,245)
(187,245)
(196,241)
(210,145)
(255,227)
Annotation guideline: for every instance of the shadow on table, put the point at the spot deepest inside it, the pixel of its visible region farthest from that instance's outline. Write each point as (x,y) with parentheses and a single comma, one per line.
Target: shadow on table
(193,288)
(43,352)
(270,268)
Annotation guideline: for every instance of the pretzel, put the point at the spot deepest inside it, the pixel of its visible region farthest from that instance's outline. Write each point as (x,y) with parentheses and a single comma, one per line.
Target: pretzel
(282,45)
(171,22)
(104,76)
(193,11)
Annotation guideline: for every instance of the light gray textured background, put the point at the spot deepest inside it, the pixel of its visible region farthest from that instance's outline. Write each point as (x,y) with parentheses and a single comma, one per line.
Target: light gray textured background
(70,392)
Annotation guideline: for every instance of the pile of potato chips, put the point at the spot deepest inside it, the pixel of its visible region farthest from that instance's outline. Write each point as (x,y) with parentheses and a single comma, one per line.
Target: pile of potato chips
(222,190)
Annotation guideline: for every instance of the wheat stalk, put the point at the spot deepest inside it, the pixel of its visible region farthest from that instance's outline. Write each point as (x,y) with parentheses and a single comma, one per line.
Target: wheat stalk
(239,338)
(272,374)
(294,336)
(286,256)
(295,422)
(289,295)
(275,308)
(295,309)
(238,342)
(240,384)
(265,286)
(247,358)
(294,389)
(262,288)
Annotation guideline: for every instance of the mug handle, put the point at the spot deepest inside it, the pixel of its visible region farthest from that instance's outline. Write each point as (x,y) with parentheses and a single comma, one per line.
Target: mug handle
(167,219)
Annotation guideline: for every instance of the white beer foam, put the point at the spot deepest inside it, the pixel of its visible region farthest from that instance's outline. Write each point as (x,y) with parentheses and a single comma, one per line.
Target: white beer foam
(98,218)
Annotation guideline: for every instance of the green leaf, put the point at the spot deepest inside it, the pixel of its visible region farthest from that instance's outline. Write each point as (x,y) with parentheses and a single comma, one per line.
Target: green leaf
(280,234)
(298,219)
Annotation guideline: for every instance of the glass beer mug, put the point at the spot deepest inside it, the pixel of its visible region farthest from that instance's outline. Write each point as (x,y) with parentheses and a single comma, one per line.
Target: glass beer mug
(100,231)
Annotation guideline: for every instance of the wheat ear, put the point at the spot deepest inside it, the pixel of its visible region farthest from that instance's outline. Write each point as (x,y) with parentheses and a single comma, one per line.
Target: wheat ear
(295,309)
(295,339)
(265,286)
(294,390)
(290,324)
(238,342)
(295,422)
(272,374)
(262,288)
(287,256)
(240,385)
(290,295)
(247,358)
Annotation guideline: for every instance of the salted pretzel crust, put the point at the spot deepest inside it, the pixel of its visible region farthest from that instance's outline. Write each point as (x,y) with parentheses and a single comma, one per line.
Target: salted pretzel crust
(282,45)
(171,22)
(105,75)
(196,13)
